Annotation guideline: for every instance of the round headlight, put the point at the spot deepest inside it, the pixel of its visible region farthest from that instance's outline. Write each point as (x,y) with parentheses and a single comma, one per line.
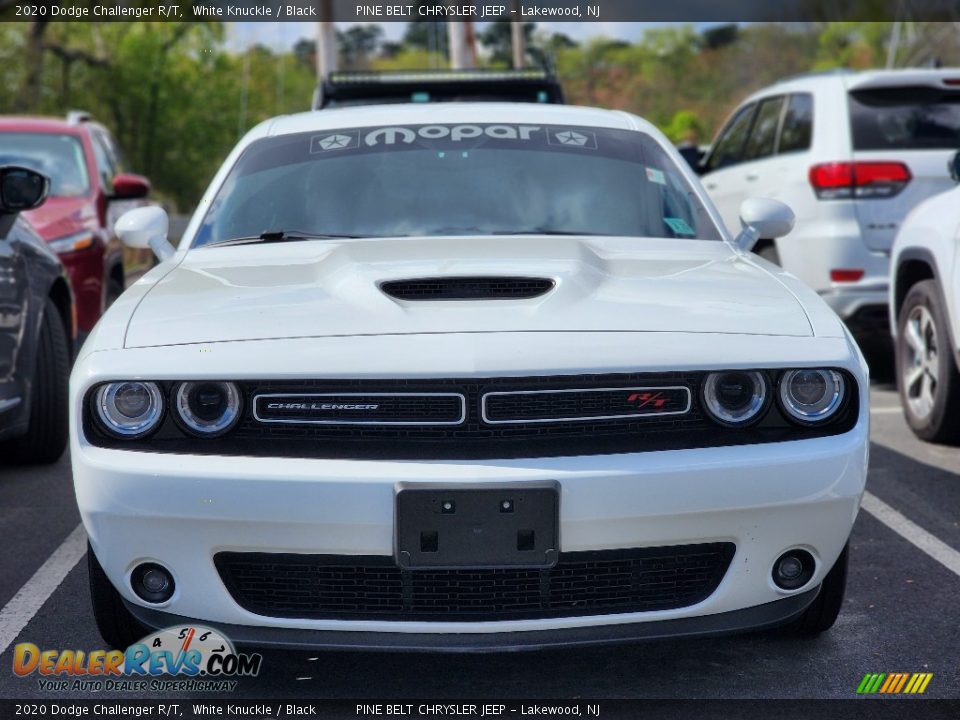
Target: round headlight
(811,395)
(736,397)
(129,409)
(208,408)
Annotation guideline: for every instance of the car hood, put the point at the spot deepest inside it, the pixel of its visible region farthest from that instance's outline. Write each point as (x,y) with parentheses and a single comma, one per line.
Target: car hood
(333,288)
(62,216)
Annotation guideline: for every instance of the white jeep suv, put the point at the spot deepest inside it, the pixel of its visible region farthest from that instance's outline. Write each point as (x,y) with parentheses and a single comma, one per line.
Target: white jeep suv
(925,315)
(851,153)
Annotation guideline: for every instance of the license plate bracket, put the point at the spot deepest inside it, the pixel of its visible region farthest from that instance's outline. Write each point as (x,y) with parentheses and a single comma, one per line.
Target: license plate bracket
(488,526)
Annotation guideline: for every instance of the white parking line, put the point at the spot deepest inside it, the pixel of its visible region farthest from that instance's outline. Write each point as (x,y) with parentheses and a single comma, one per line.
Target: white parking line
(885,411)
(912,533)
(31,597)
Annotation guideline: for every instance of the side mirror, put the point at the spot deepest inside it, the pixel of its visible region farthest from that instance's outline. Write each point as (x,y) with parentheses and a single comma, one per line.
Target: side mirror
(146,227)
(763,218)
(127,186)
(954,167)
(21,189)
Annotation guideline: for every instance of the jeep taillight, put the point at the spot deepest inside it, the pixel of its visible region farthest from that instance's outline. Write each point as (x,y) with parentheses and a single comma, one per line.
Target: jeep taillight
(859,180)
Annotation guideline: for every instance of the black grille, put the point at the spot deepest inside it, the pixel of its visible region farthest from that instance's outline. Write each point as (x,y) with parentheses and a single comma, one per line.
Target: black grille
(565,405)
(467,288)
(373,587)
(473,438)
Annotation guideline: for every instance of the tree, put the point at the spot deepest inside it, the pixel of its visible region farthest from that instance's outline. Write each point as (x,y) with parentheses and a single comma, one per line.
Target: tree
(428,35)
(685,126)
(720,36)
(357,45)
(305,53)
(497,39)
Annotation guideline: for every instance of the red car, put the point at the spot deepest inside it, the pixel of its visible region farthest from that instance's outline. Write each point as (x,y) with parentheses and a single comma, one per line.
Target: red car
(87,181)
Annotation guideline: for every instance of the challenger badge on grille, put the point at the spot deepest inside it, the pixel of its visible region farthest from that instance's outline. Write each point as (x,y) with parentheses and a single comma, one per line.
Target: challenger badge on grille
(361,408)
(546,406)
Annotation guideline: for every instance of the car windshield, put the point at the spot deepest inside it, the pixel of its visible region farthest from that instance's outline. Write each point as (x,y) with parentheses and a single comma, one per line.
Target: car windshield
(59,157)
(428,180)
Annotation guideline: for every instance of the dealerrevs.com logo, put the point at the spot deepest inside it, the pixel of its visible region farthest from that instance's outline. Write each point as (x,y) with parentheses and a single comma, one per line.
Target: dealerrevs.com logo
(189,658)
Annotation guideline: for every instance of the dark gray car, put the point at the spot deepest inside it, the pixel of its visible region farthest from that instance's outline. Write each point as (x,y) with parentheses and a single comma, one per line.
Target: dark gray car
(36,329)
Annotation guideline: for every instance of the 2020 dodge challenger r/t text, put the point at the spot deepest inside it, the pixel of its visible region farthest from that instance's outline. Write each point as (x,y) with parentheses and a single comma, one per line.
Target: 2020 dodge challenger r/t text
(465,378)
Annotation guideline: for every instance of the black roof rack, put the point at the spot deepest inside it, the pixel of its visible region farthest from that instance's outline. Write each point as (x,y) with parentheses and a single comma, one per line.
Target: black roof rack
(412,86)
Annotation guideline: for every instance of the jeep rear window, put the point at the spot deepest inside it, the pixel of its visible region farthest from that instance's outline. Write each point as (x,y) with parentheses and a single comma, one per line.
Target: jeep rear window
(464,179)
(59,157)
(905,118)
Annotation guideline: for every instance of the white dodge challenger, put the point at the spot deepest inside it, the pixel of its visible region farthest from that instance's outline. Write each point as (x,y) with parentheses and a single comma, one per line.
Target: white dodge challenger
(465,377)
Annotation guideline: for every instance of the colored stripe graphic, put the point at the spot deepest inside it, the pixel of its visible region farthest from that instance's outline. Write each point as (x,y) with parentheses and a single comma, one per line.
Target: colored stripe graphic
(894,683)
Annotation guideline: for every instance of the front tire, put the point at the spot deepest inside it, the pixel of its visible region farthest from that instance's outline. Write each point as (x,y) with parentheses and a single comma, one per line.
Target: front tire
(117,625)
(926,370)
(46,436)
(823,612)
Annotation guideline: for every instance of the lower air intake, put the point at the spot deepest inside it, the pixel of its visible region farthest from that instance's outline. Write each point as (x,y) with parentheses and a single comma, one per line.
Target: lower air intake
(373,587)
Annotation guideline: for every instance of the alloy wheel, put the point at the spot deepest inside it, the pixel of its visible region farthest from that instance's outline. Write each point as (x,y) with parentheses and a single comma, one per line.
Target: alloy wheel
(921,362)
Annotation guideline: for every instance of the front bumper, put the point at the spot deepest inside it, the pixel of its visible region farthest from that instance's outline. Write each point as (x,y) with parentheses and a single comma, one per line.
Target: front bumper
(762,617)
(181,510)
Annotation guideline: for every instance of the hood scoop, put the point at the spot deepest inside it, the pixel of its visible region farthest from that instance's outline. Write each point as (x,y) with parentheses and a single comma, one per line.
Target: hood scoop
(467,288)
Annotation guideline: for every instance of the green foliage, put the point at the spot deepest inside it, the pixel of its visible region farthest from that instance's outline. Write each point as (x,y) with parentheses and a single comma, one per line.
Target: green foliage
(674,75)
(175,98)
(853,45)
(685,126)
(409,59)
(427,35)
(357,45)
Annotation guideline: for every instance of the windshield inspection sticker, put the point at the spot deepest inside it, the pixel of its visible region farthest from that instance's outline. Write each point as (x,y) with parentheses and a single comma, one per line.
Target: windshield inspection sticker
(657,176)
(339,140)
(572,137)
(679,226)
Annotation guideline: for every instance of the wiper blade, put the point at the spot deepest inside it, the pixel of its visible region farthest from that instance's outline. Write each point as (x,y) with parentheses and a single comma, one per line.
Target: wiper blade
(273,236)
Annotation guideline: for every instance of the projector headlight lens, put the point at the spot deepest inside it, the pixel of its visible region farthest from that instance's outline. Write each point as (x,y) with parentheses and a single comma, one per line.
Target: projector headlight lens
(129,409)
(208,408)
(735,397)
(811,395)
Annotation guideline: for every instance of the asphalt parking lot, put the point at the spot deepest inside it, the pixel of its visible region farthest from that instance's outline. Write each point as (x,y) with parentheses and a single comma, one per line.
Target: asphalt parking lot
(899,616)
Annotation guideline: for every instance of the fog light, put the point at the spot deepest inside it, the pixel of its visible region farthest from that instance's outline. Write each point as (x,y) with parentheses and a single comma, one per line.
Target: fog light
(793,569)
(155,581)
(152,582)
(790,568)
